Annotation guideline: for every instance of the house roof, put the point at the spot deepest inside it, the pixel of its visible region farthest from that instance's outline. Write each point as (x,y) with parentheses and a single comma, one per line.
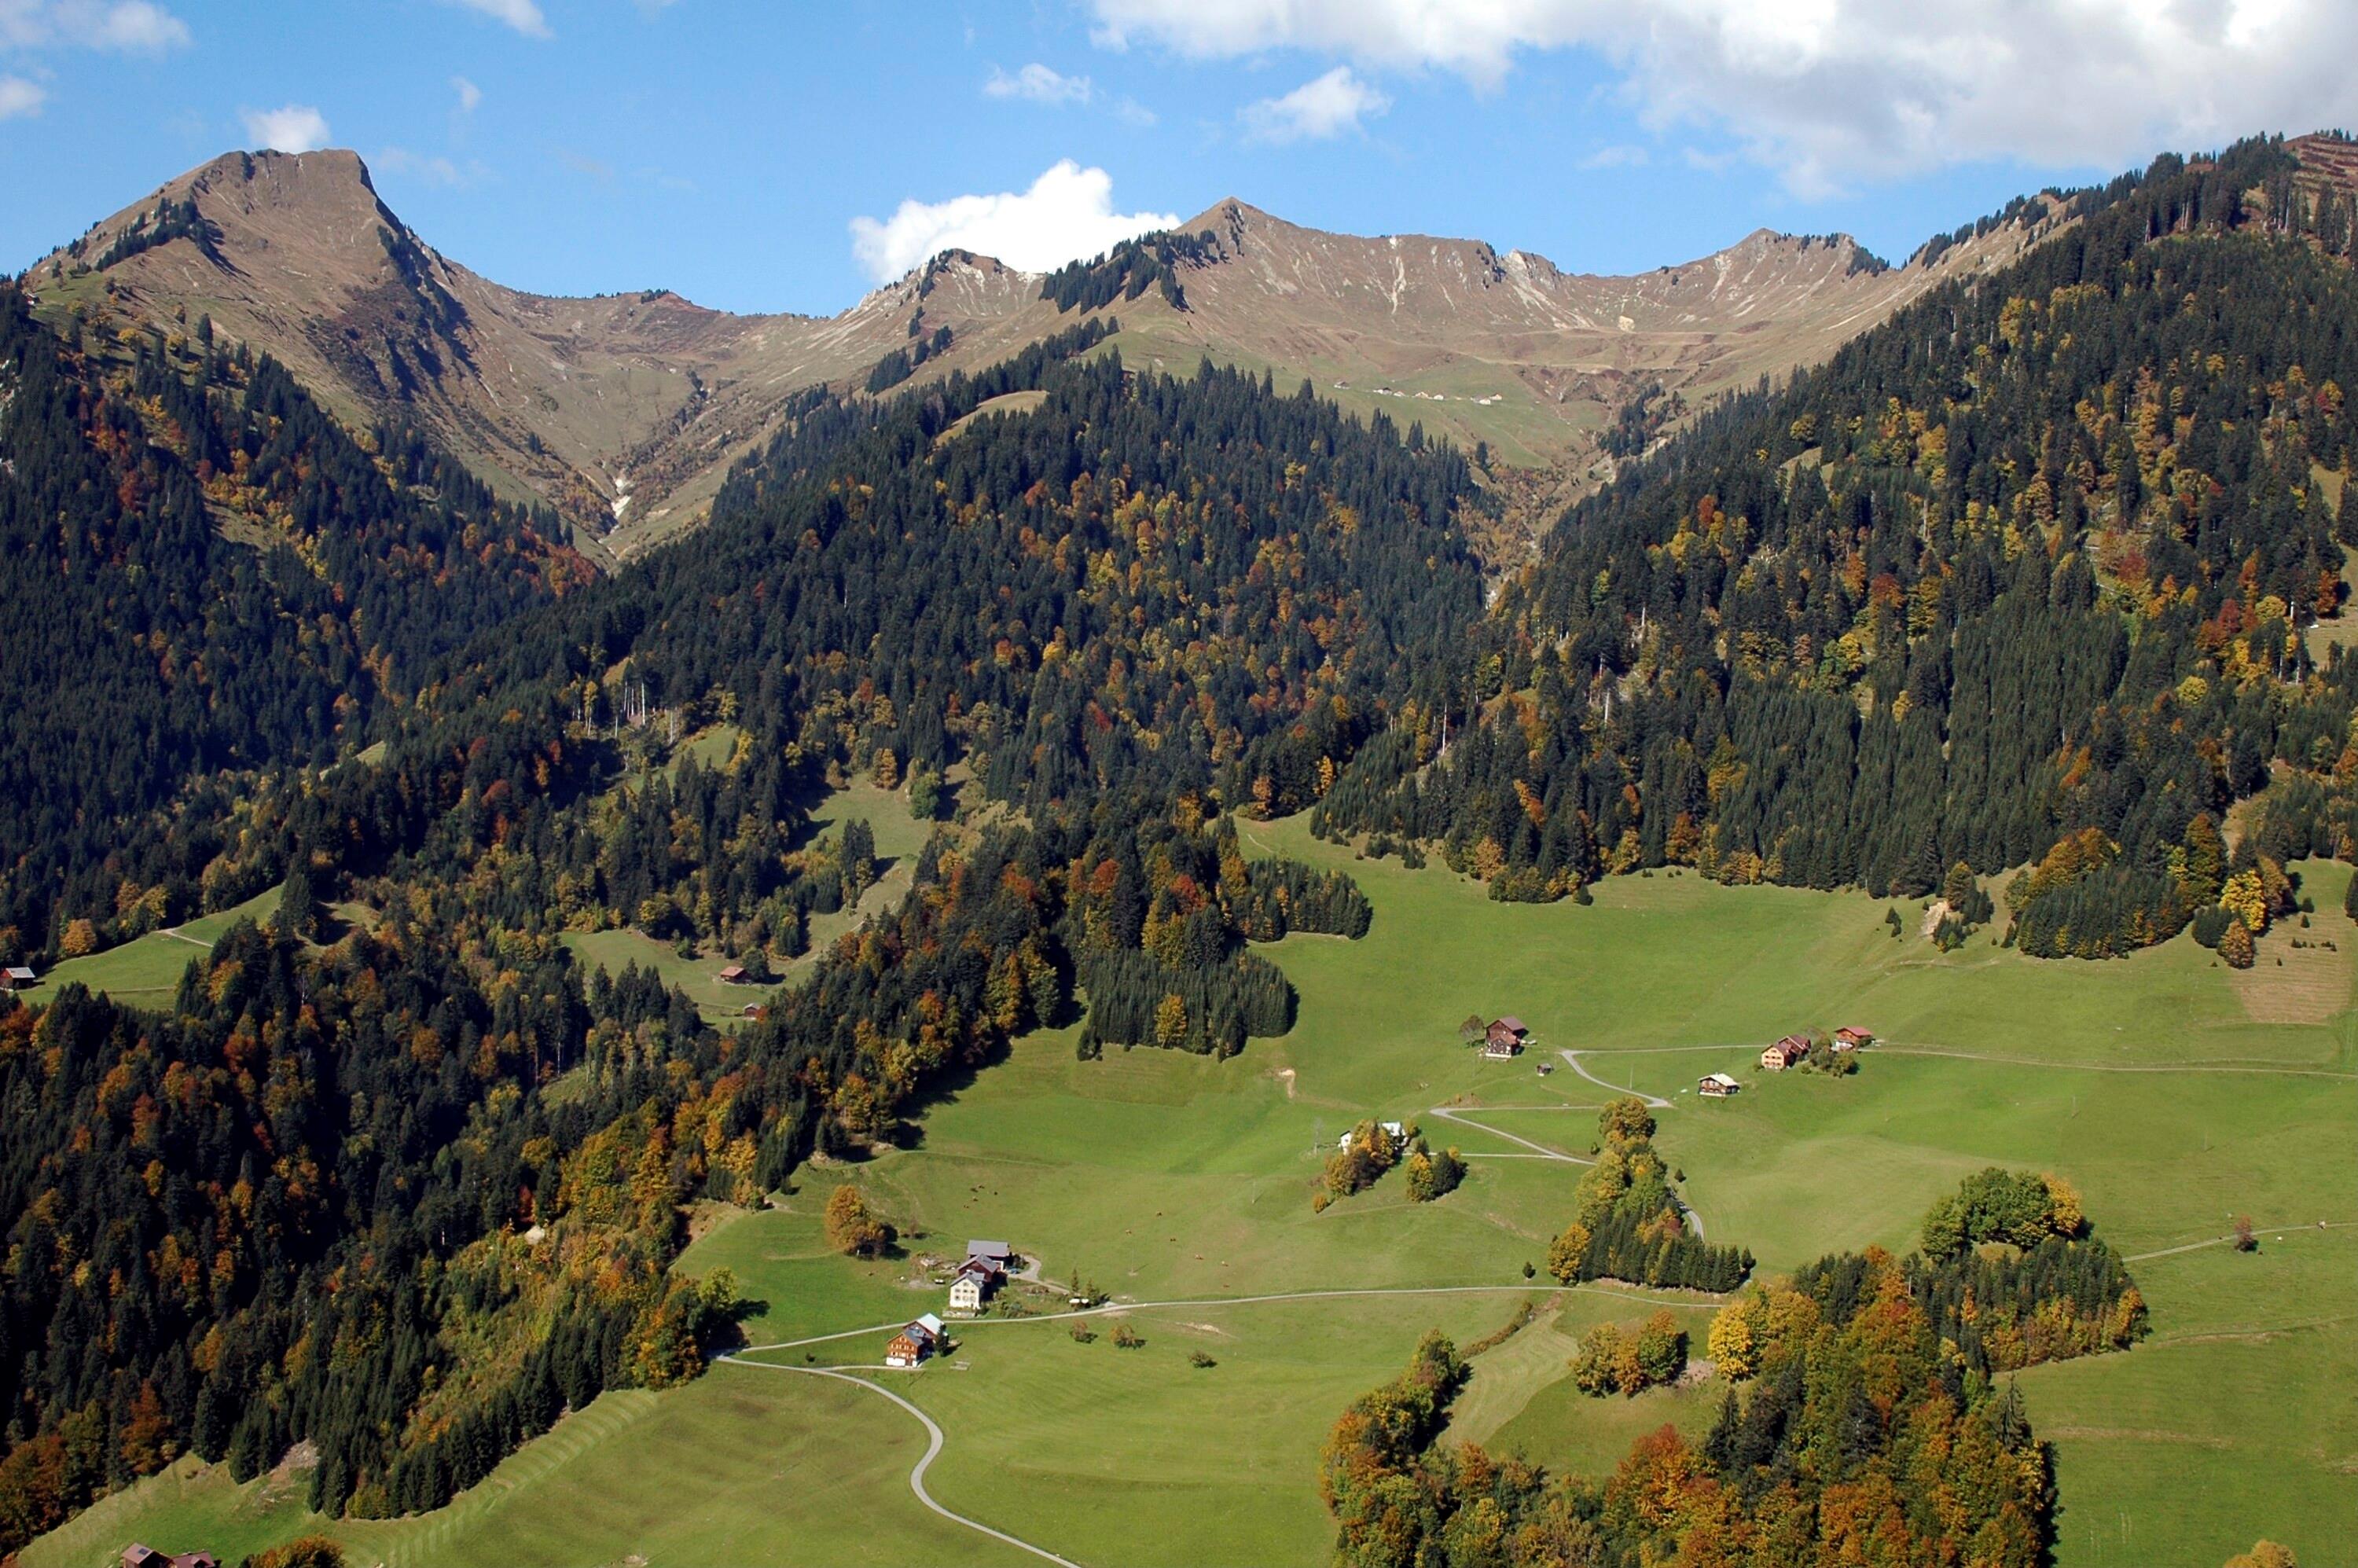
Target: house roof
(1722,1079)
(930,1323)
(994,1249)
(19,972)
(1512,1022)
(734,971)
(1853,1033)
(1794,1043)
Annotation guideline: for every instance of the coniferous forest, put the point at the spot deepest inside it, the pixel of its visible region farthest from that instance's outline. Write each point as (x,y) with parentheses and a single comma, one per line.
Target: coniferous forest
(2019,581)
(2031,560)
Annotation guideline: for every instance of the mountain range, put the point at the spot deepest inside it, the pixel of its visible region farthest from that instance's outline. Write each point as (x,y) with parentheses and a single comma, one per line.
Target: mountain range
(624,411)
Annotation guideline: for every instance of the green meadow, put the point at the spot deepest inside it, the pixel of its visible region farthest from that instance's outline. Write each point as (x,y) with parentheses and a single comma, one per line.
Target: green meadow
(147,970)
(2174,1093)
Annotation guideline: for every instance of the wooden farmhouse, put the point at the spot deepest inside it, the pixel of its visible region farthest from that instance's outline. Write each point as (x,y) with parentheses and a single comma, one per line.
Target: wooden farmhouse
(918,1340)
(15,977)
(1784,1053)
(1853,1039)
(1717,1085)
(1504,1038)
(734,974)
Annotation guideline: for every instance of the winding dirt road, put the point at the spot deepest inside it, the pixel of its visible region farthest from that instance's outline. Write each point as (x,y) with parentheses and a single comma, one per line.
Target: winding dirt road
(934,1441)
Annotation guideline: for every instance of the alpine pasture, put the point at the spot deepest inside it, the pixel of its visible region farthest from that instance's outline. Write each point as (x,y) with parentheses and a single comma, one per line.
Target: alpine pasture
(2173,1094)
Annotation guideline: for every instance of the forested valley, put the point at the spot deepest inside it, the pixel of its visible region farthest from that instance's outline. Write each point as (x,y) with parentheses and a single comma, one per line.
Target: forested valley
(311,1179)
(2022,578)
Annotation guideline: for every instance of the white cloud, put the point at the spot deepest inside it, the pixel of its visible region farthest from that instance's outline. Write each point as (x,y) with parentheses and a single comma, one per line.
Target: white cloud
(1326,106)
(1621,154)
(1826,90)
(129,25)
(297,128)
(1039,84)
(1067,212)
(20,98)
(429,170)
(523,15)
(470,95)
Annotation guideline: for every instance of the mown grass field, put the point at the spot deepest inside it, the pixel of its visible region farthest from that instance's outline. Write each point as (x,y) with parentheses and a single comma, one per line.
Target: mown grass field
(2172,1092)
(147,970)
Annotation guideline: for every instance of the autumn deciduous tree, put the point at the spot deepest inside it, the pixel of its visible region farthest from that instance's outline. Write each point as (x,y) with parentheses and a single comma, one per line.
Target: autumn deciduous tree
(2065,1212)
(851,1228)
(1596,1368)
(80,940)
(303,1551)
(1738,1330)
(2246,896)
(1624,1122)
(1661,1349)
(1567,1251)
(2263,1554)
(1170,1020)
(2235,945)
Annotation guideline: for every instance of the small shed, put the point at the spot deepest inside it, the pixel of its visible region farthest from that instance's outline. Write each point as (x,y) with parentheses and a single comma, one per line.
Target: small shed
(734,974)
(1718,1086)
(1853,1039)
(15,977)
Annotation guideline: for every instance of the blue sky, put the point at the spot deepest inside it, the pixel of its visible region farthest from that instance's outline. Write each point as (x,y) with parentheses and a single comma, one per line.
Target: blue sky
(726,148)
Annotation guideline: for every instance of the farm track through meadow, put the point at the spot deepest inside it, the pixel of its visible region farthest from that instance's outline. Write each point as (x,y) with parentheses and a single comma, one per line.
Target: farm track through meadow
(1112,1308)
(934,1441)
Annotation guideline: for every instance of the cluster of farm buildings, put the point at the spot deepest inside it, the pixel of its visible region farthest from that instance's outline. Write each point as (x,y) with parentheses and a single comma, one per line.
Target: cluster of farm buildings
(1791,1051)
(987,1266)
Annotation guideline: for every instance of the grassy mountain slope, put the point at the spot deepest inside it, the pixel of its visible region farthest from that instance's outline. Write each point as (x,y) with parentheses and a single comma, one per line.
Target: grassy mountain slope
(620,410)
